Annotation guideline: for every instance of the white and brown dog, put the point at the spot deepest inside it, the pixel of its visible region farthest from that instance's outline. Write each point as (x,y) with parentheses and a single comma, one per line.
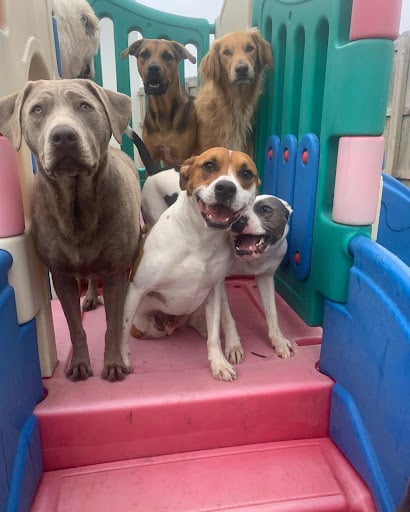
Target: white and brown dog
(188,252)
(259,241)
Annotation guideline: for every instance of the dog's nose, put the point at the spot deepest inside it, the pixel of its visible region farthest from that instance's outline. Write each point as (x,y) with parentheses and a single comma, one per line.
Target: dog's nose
(63,137)
(242,70)
(240,224)
(154,69)
(225,190)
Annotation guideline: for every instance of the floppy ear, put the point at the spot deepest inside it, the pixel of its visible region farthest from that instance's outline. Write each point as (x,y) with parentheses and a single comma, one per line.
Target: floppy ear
(132,49)
(210,67)
(90,27)
(117,107)
(10,115)
(182,52)
(264,49)
(184,173)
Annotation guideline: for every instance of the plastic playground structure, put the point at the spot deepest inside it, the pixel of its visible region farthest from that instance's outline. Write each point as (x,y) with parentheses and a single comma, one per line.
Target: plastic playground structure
(319,145)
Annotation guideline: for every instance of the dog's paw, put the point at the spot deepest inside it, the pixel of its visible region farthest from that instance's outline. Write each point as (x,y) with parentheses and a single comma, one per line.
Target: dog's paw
(91,302)
(222,370)
(80,370)
(282,347)
(114,372)
(235,354)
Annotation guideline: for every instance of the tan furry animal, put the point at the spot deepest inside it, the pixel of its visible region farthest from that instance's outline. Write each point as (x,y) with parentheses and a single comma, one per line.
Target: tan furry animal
(79,37)
(231,84)
(169,129)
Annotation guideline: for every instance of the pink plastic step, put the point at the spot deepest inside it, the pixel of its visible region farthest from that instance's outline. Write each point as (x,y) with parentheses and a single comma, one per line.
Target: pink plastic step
(172,404)
(293,476)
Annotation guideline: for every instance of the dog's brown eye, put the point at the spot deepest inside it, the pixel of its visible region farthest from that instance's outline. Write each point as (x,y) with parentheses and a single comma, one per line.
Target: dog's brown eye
(37,109)
(167,56)
(249,48)
(144,54)
(246,174)
(227,51)
(208,166)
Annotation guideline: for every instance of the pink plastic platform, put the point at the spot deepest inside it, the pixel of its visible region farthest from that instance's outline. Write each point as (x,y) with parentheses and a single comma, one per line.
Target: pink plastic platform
(171,438)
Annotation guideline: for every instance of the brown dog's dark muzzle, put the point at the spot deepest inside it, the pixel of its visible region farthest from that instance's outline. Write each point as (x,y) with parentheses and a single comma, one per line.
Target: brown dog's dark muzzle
(155,83)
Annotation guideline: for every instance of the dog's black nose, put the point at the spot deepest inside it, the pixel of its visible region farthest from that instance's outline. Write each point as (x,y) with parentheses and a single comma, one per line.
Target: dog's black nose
(154,69)
(225,190)
(240,224)
(241,70)
(63,137)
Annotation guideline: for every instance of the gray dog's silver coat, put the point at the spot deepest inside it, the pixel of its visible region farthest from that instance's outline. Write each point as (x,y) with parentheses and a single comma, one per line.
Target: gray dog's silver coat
(86,199)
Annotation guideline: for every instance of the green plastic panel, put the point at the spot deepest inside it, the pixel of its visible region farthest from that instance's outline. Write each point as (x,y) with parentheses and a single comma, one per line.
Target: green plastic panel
(129,16)
(323,84)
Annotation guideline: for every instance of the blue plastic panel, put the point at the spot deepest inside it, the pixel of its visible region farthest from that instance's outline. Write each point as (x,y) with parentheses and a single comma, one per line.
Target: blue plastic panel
(57,46)
(304,202)
(270,173)
(20,389)
(286,168)
(394,222)
(366,349)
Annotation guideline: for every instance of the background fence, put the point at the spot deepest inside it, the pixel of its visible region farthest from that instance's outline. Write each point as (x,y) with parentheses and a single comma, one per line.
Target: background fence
(397,128)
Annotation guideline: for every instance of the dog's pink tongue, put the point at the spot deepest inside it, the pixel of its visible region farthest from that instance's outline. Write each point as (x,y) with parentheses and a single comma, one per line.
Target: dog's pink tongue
(218,213)
(247,243)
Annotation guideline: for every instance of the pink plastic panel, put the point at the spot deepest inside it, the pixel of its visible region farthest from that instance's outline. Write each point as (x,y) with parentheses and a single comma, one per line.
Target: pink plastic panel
(375,19)
(11,201)
(297,476)
(357,186)
(171,403)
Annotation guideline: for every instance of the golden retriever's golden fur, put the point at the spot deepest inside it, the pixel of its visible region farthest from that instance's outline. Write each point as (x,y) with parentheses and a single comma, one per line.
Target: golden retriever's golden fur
(231,84)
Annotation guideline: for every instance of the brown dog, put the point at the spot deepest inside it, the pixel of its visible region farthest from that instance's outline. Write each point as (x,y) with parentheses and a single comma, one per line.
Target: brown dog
(85,203)
(169,129)
(232,79)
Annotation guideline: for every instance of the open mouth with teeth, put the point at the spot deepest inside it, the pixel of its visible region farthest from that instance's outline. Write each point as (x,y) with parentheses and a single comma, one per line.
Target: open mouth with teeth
(155,86)
(249,247)
(218,216)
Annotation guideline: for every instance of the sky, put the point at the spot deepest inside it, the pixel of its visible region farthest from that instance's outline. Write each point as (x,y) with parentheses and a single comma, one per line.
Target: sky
(210,9)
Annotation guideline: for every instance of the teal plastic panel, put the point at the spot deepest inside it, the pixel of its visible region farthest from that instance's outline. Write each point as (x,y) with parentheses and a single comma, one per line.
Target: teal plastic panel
(328,86)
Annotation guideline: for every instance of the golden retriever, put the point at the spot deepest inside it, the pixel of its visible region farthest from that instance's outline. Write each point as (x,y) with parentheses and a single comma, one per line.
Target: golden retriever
(231,84)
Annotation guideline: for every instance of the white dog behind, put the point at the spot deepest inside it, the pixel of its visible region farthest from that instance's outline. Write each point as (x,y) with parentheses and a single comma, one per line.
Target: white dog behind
(79,37)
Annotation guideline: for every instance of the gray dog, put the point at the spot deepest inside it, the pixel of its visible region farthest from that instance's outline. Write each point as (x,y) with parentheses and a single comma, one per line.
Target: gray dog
(86,200)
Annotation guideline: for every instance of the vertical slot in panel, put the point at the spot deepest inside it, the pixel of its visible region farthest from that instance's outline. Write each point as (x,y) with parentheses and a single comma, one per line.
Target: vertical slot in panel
(293,82)
(270,174)
(304,202)
(279,48)
(320,59)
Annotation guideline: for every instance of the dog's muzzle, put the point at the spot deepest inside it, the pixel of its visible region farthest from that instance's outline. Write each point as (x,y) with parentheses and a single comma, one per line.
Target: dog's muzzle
(154,83)
(65,154)
(242,73)
(220,215)
(250,247)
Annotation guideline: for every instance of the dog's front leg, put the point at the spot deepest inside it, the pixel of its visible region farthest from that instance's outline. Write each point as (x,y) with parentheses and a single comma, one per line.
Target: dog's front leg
(116,363)
(132,301)
(67,290)
(266,286)
(220,367)
(233,348)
